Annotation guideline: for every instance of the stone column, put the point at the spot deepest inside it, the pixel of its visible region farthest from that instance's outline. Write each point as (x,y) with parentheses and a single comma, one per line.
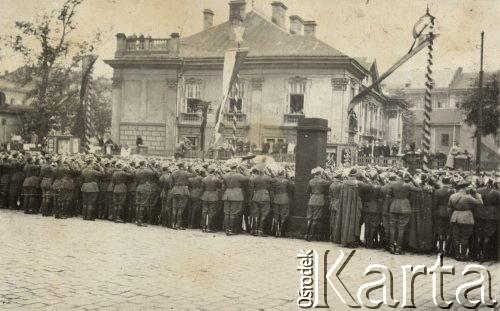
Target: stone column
(339,87)
(254,111)
(311,152)
(171,115)
(116,106)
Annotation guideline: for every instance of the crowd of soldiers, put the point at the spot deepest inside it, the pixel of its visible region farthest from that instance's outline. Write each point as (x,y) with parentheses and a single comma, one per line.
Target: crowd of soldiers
(179,194)
(450,212)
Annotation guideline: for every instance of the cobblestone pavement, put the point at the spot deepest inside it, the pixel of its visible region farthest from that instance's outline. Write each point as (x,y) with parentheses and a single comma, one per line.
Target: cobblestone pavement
(74,264)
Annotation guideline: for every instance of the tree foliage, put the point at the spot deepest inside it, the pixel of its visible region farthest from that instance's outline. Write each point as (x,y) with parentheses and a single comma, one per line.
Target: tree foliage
(52,60)
(491,106)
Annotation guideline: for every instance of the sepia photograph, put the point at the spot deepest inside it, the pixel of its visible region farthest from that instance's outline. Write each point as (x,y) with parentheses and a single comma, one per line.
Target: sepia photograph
(249,154)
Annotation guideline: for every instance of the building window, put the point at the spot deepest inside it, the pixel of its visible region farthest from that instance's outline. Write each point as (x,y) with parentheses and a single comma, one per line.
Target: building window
(236,97)
(445,139)
(192,97)
(297,89)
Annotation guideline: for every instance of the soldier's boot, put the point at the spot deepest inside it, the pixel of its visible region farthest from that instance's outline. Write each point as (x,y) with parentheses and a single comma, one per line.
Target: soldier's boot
(43,206)
(449,245)
(26,203)
(204,222)
(458,249)
(283,223)
(84,211)
(255,226)
(174,218)
(368,236)
(276,226)
(90,212)
(398,250)
(308,231)
(118,214)
(483,250)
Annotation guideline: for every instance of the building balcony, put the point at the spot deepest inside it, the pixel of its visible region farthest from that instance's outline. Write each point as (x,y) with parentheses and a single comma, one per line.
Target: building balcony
(291,119)
(142,45)
(241,119)
(190,118)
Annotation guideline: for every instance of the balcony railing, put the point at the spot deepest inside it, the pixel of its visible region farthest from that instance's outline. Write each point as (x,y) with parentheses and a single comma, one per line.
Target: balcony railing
(292,119)
(190,118)
(147,44)
(241,118)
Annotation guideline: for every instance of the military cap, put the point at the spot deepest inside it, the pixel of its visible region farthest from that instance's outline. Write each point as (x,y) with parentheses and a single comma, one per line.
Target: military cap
(317,170)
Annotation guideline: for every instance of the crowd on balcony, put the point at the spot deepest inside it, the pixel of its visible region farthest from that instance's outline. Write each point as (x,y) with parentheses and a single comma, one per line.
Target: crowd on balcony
(379,150)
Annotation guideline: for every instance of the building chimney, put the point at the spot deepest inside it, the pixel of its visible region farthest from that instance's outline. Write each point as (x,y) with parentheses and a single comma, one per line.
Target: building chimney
(173,43)
(296,25)
(237,10)
(310,28)
(279,13)
(208,19)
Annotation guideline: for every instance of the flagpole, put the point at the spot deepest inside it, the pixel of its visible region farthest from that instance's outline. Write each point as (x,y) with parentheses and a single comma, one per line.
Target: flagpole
(429,85)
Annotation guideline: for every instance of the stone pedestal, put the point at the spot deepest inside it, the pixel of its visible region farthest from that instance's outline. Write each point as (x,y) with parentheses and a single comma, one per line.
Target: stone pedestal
(310,152)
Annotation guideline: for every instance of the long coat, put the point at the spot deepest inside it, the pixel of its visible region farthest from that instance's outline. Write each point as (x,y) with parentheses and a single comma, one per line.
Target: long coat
(347,222)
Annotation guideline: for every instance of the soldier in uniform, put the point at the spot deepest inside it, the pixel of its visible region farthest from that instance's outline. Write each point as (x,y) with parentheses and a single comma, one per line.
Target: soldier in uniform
(62,187)
(333,199)
(317,190)
(103,204)
(16,181)
(131,191)
(282,189)
(154,194)
(486,219)
(47,176)
(400,210)
(462,204)
(195,191)
(31,187)
(384,230)
(372,210)
(142,176)
(180,194)
(233,184)
(261,187)
(119,180)
(442,230)
(165,197)
(5,182)
(91,174)
(210,186)
(108,194)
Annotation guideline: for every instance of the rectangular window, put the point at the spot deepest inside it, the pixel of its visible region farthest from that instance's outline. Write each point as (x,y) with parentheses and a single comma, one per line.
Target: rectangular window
(297,89)
(192,97)
(236,97)
(297,103)
(445,139)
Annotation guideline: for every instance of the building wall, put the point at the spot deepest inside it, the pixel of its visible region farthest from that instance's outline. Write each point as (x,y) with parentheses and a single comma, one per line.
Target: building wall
(144,104)
(150,103)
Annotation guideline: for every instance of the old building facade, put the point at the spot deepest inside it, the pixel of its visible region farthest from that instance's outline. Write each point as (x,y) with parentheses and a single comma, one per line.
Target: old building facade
(451,86)
(13,103)
(288,73)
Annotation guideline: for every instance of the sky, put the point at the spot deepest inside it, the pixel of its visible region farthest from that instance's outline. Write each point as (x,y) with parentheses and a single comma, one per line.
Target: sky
(377,29)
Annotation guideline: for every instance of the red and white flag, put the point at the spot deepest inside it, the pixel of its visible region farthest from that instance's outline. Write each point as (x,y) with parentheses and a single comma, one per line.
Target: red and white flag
(232,63)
